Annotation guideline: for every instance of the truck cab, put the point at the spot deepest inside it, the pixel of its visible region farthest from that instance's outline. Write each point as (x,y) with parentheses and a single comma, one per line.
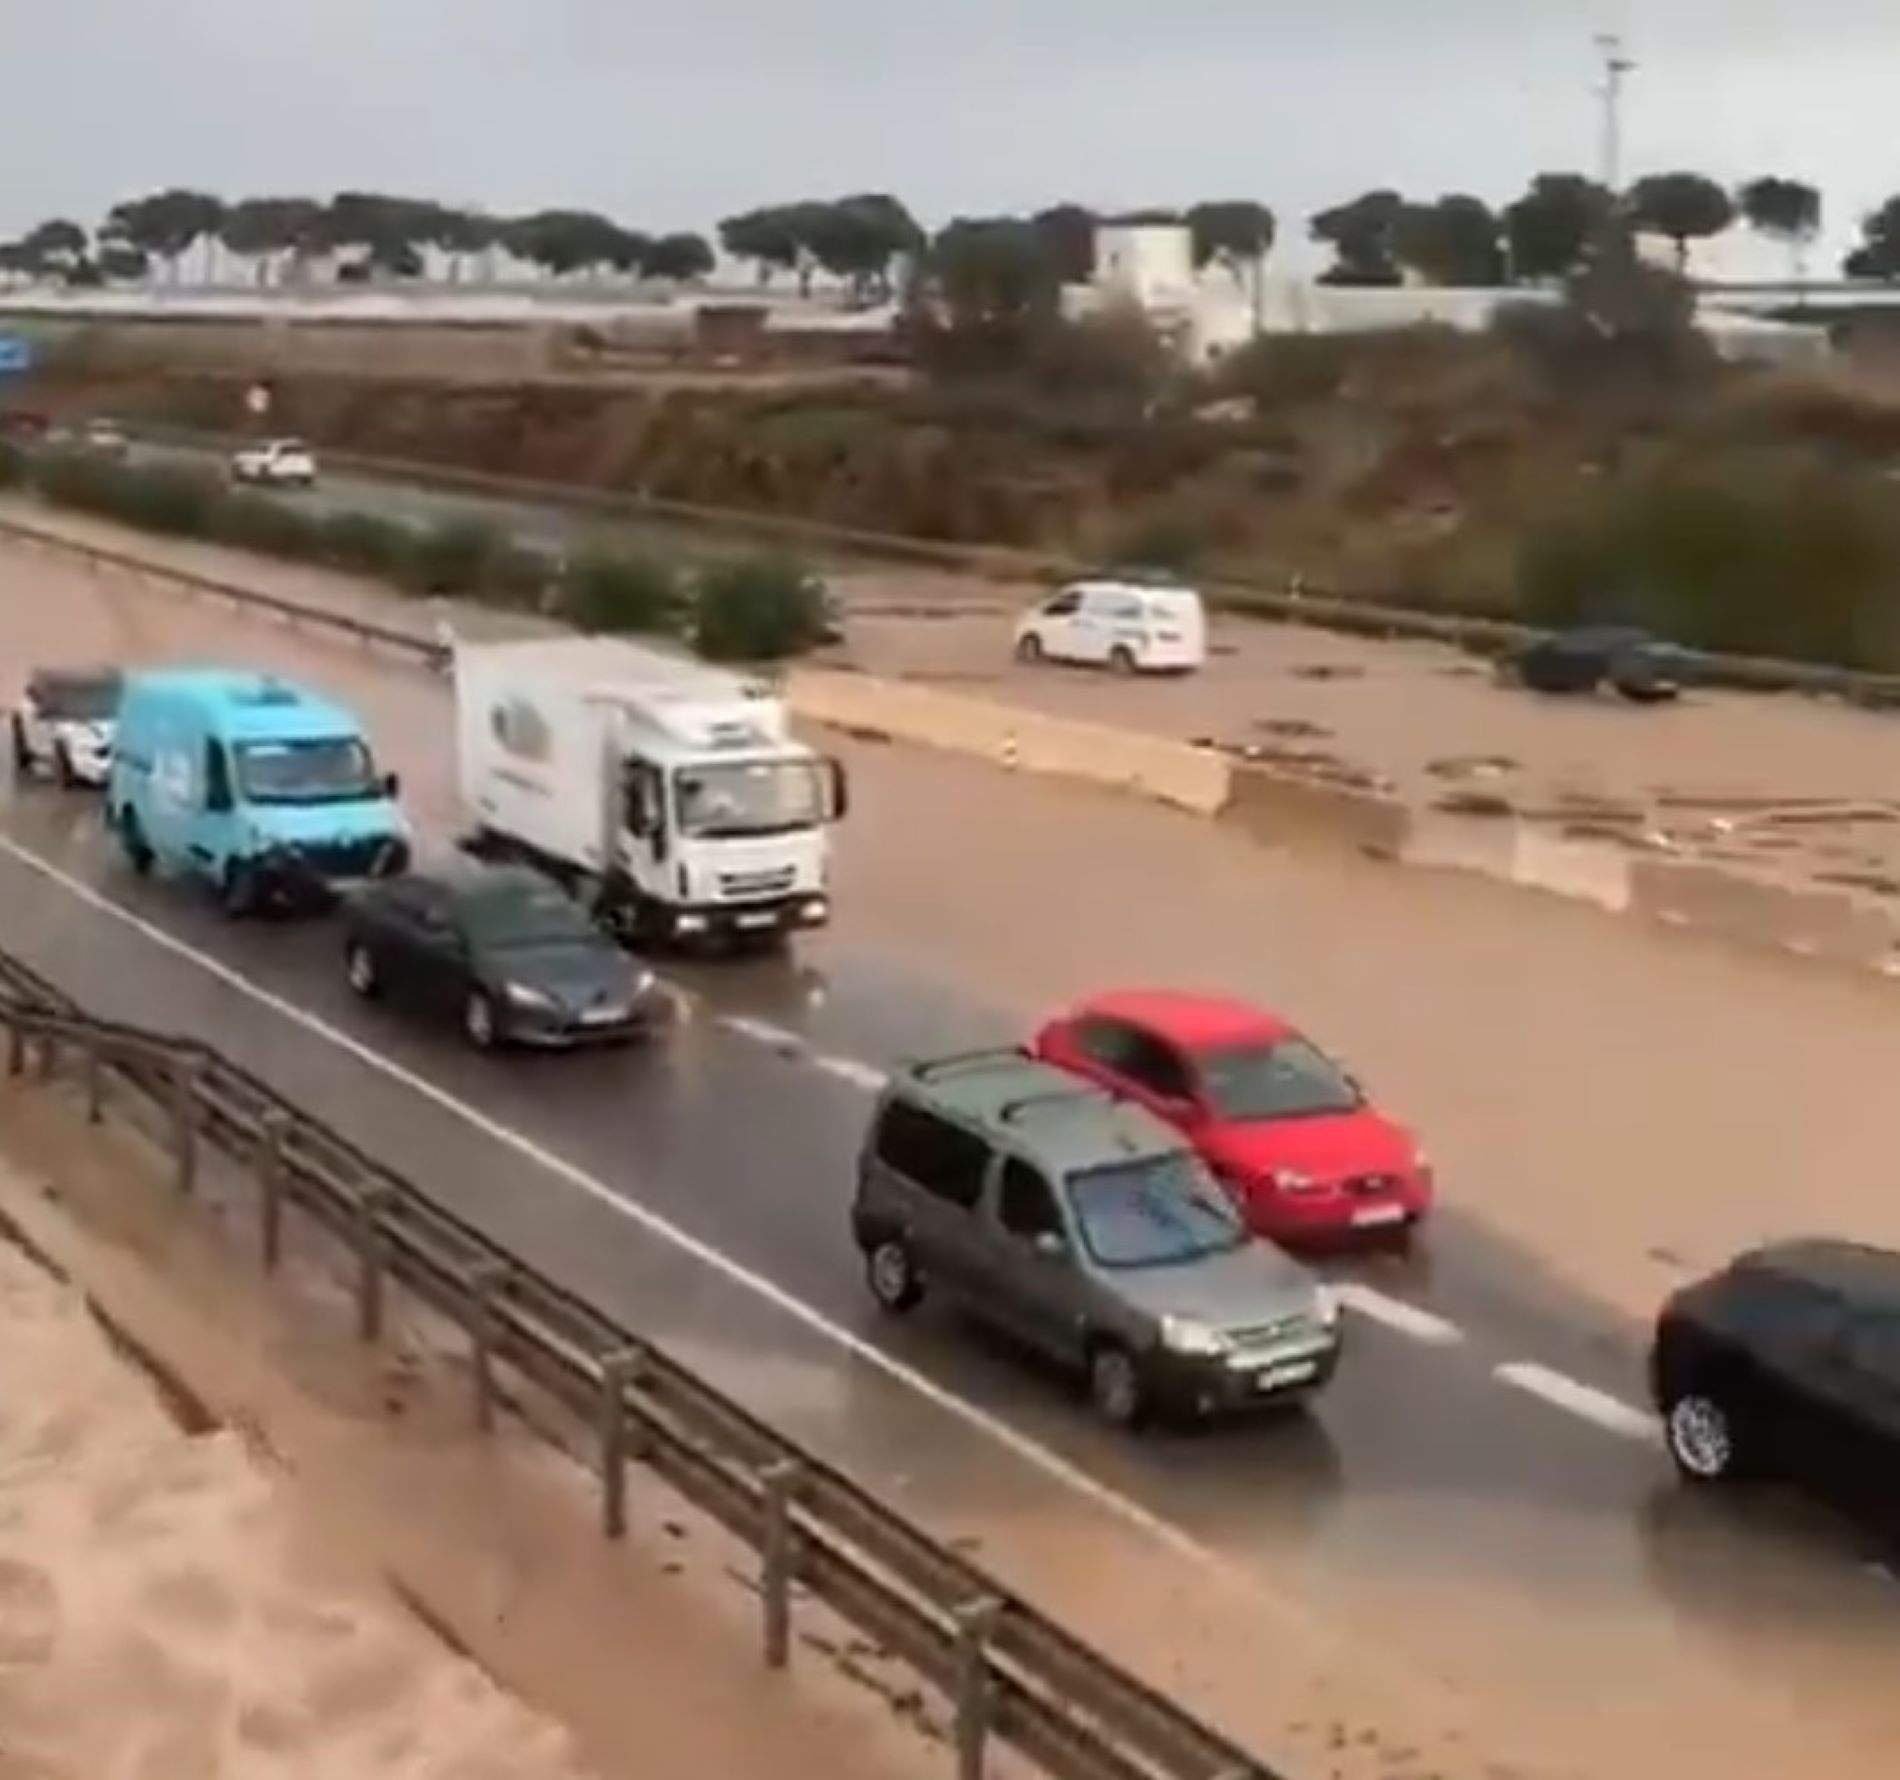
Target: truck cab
(255,786)
(674,795)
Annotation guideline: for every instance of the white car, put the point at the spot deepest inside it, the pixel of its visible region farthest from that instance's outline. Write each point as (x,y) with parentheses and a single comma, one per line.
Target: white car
(106,438)
(1125,625)
(66,723)
(280,463)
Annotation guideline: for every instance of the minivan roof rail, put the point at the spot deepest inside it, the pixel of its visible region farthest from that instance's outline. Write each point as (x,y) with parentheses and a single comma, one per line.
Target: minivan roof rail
(1014,1109)
(936,1066)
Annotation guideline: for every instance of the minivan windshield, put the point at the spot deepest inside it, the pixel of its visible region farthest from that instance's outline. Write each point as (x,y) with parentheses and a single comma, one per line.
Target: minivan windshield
(334,770)
(1156,1212)
(750,797)
(1287,1080)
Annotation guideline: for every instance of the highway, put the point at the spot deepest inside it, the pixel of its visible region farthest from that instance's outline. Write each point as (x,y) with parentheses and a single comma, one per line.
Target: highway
(1478,1501)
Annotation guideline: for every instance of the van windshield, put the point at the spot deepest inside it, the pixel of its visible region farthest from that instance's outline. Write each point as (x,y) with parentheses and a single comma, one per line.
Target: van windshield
(334,770)
(1157,1212)
(749,797)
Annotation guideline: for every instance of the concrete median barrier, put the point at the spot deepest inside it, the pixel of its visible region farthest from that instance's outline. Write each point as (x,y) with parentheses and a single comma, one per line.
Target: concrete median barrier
(1827,924)
(1171,772)
(1282,809)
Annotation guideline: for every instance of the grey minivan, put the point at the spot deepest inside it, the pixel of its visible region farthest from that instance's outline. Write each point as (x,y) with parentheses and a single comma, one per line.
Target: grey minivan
(1080,1225)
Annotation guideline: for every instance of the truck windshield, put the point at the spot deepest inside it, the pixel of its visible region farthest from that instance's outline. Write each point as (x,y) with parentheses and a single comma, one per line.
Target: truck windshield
(334,770)
(749,797)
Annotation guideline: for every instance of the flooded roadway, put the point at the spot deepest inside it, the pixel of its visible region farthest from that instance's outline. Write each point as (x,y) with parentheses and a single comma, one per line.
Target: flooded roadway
(1431,1515)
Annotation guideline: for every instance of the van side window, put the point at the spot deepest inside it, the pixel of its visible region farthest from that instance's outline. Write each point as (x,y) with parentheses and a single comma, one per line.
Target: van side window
(1025,1205)
(217,777)
(942,1158)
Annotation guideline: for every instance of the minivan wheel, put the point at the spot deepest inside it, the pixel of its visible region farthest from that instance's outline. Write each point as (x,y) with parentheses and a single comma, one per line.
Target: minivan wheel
(1122,659)
(1029,649)
(359,965)
(478,1021)
(892,1275)
(1702,1441)
(1115,1386)
(138,851)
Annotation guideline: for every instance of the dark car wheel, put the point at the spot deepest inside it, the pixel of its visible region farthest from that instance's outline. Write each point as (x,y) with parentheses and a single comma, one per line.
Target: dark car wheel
(1116,1387)
(63,767)
(893,1277)
(1703,1438)
(1029,649)
(481,1026)
(1122,660)
(359,966)
(238,891)
(22,754)
(138,851)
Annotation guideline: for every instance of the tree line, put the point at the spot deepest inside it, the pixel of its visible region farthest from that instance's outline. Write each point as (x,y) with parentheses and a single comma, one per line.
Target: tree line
(863,240)
(375,232)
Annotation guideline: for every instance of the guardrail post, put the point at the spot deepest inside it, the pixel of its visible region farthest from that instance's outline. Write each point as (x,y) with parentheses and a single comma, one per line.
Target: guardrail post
(187,1079)
(95,1079)
(615,1369)
(270,1181)
(484,1283)
(975,1620)
(779,1482)
(370,1205)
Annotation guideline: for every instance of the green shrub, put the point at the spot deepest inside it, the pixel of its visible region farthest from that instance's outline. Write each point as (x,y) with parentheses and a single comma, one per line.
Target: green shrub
(759,608)
(517,575)
(454,556)
(160,498)
(602,590)
(273,527)
(366,544)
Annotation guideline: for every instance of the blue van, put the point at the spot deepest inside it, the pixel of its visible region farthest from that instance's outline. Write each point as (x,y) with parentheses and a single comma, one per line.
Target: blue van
(256,786)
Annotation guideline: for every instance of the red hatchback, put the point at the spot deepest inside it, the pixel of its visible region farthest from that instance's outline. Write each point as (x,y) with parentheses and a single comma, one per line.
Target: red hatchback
(1285,1129)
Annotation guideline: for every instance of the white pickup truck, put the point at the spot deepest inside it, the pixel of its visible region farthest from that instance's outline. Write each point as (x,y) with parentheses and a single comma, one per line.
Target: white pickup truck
(278,463)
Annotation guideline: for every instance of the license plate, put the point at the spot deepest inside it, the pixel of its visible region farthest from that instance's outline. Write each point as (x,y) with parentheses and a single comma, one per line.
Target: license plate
(601,1016)
(752,923)
(1277,1378)
(1373,1217)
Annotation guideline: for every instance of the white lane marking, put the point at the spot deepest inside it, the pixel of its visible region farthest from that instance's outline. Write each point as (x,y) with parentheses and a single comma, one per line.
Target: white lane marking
(860,1075)
(762,1030)
(1608,1412)
(1395,1313)
(1033,1452)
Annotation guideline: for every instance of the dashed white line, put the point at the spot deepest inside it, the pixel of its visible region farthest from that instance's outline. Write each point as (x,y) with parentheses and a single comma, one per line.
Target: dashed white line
(761,1030)
(1395,1313)
(1033,1452)
(1607,1412)
(860,1075)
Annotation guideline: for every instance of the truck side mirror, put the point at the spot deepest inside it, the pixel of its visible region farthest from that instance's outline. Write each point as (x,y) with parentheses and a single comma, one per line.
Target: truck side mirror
(840,791)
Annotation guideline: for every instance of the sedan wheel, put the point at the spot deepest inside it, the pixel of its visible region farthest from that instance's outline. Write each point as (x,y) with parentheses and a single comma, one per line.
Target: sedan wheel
(893,1277)
(478,1021)
(1115,1386)
(1701,1439)
(359,965)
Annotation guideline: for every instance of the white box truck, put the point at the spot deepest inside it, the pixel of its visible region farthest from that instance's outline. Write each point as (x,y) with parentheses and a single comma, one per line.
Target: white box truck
(671,796)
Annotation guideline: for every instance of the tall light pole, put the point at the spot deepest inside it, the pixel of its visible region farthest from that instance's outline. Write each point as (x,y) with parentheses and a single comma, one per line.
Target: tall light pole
(1616,66)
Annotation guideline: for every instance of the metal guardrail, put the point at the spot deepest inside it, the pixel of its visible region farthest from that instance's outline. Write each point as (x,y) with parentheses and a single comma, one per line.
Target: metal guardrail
(1008,1670)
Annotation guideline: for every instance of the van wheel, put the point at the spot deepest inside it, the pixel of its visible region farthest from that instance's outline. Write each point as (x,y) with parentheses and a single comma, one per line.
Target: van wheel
(1115,1385)
(238,891)
(479,1025)
(1703,1439)
(1122,659)
(1029,649)
(138,851)
(893,1279)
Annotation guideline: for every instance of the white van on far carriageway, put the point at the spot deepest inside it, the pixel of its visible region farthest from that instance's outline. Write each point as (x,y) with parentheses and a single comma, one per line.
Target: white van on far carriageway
(1125,625)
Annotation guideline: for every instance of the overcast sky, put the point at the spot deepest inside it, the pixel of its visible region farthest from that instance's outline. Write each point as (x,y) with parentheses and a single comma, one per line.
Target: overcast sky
(674,115)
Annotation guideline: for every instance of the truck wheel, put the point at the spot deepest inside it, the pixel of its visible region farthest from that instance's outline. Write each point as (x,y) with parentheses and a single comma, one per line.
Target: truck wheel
(138,851)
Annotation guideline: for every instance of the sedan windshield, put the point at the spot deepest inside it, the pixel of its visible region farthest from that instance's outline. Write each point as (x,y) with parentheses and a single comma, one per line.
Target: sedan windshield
(1157,1212)
(759,797)
(1288,1080)
(337,771)
(529,913)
